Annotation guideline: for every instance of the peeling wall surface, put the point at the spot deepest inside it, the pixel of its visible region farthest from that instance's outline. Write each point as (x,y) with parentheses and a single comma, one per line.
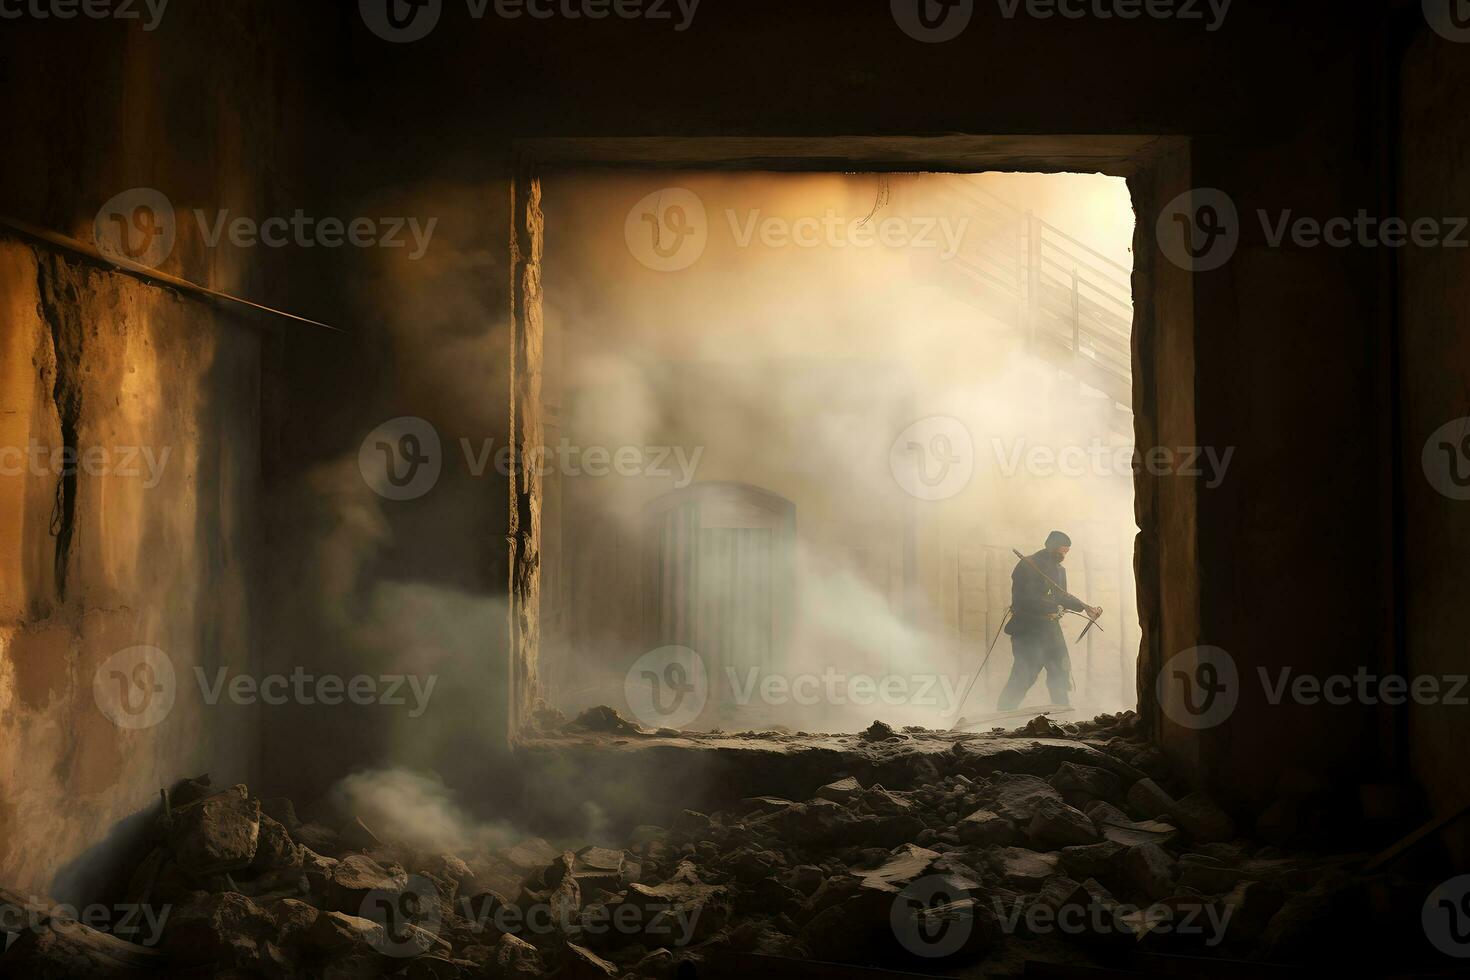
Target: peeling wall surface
(151,539)
(130,435)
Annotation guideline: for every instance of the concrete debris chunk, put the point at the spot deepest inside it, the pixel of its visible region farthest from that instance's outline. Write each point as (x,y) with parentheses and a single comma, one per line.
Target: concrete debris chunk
(1022,868)
(355,835)
(1081,784)
(216,834)
(583,964)
(1056,825)
(880,731)
(1093,860)
(986,827)
(605,719)
(226,928)
(842,791)
(353,879)
(1151,870)
(902,868)
(1016,795)
(530,854)
(1202,820)
(1149,801)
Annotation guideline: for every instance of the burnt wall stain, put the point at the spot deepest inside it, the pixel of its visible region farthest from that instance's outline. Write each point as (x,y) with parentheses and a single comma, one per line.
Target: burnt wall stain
(60,309)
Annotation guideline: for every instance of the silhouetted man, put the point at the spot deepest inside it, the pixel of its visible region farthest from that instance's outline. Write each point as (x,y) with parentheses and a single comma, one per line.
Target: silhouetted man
(1036,628)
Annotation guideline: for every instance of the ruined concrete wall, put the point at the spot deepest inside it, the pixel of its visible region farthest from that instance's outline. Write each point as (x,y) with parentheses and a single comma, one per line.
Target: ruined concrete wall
(153,542)
(1435,347)
(156,539)
(1284,341)
(1284,338)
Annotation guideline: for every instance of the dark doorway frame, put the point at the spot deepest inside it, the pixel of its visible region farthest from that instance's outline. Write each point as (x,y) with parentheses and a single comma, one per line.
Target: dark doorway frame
(1157,170)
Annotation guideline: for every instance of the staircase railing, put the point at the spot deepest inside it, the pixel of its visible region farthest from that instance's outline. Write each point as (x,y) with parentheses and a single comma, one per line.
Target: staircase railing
(1074,304)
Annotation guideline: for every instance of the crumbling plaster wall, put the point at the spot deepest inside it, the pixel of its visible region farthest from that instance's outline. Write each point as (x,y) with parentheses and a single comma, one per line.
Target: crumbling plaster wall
(1280,111)
(149,549)
(125,553)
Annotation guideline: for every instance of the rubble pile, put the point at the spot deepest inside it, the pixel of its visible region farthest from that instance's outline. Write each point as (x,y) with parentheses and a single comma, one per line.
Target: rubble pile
(1082,855)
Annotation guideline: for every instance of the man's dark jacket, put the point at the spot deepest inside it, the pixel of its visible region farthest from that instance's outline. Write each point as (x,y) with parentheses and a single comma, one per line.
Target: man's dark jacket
(1033,601)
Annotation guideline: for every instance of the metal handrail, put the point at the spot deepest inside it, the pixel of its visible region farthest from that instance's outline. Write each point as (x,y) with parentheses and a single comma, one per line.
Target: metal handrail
(1063,289)
(1085,247)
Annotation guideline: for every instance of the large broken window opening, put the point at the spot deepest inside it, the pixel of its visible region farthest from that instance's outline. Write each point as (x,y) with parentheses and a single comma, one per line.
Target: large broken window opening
(794,425)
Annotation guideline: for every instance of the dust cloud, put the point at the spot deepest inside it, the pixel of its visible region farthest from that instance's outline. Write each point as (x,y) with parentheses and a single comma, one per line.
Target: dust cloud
(785,333)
